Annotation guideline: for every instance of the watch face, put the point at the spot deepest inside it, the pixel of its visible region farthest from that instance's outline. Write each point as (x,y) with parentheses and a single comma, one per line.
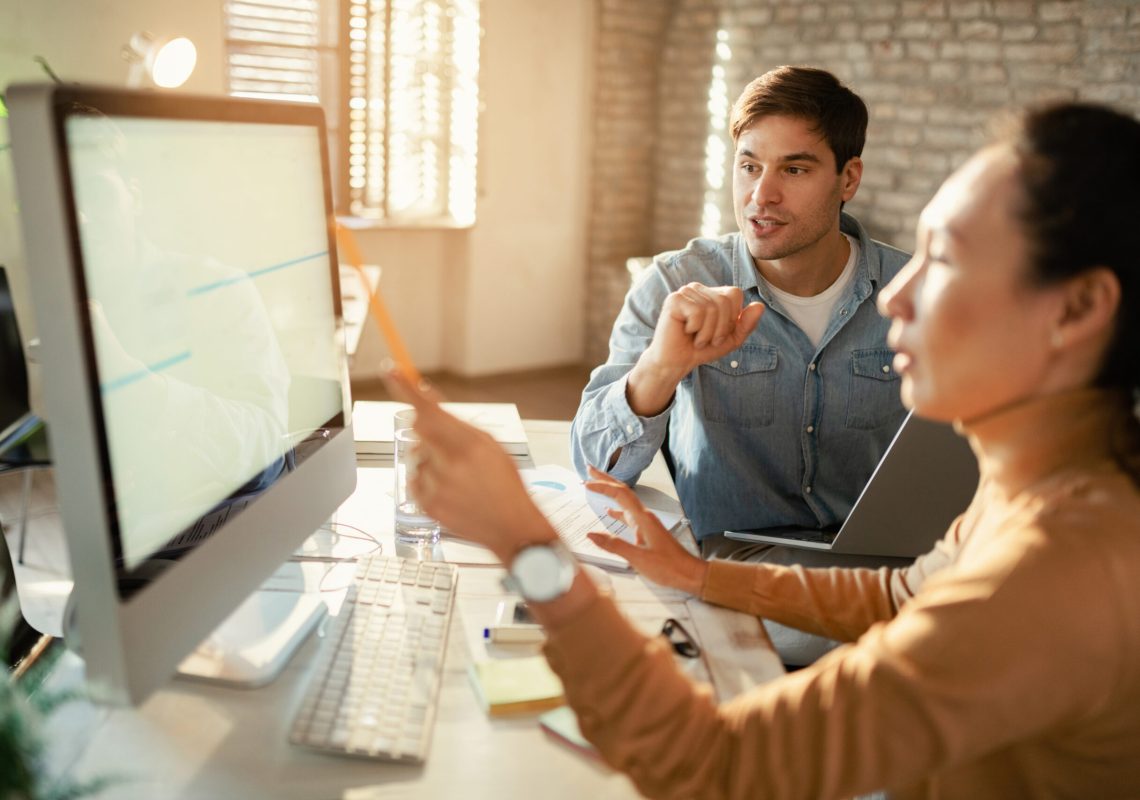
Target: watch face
(542,572)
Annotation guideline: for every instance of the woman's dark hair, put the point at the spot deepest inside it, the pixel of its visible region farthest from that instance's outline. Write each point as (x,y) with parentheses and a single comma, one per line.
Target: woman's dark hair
(1080,208)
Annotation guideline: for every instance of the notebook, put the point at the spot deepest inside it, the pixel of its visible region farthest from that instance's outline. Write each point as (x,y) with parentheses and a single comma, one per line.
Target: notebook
(511,686)
(924,480)
(561,724)
(372,425)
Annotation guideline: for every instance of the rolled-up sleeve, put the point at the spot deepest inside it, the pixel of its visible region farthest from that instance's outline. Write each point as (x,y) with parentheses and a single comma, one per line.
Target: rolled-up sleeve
(604,422)
(837,603)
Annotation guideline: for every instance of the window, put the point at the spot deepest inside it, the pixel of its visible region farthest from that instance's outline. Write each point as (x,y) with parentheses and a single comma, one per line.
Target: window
(287,50)
(274,49)
(403,74)
(413,109)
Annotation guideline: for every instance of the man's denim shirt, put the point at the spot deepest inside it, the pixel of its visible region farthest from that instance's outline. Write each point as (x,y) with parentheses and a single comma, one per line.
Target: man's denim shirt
(776,433)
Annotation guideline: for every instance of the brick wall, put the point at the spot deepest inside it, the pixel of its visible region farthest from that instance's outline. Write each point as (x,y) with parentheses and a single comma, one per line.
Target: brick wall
(933,73)
(627,64)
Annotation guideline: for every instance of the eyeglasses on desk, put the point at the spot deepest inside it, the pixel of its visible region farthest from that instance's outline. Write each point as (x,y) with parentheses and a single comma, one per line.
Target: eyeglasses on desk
(683,642)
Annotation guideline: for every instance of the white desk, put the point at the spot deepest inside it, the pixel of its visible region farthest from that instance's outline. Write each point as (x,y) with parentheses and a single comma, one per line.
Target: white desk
(199,741)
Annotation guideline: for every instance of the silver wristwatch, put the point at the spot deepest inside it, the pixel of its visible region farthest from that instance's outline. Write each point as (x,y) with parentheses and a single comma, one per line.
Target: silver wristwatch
(541,572)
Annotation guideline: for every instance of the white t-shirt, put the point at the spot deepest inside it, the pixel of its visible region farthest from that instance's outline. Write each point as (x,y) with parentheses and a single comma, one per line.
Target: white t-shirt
(812,314)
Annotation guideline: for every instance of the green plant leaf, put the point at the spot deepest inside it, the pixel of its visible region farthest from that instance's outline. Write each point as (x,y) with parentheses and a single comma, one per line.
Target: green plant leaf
(74,791)
(24,704)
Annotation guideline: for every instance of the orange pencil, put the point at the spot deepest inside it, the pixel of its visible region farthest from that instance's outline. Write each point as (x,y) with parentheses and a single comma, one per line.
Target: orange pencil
(400,353)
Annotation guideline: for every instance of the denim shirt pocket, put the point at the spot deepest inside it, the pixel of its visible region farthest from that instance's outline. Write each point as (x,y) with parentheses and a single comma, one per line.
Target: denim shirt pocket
(739,389)
(873,399)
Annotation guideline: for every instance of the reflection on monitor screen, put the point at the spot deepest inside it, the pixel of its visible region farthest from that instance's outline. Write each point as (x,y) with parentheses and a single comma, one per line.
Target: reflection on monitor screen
(198,382)
(204,296)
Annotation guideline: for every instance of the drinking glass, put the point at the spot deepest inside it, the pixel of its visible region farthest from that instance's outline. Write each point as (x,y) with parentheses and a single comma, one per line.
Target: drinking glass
(413,526)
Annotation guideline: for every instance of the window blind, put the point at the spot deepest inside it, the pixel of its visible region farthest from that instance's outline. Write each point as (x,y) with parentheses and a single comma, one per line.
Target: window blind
(410,100)
(273,48)
(413,108)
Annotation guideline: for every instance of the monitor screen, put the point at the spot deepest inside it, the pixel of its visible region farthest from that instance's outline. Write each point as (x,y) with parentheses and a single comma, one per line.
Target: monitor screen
(210,302)
(182,267)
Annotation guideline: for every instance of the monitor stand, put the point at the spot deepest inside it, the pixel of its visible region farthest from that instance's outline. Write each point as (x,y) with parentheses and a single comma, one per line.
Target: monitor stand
(252,645)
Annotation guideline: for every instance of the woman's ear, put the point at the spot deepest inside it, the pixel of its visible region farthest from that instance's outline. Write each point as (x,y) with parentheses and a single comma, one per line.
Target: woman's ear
(1089,305)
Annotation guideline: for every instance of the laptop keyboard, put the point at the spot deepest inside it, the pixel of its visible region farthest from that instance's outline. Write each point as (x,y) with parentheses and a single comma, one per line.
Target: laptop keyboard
(821,537)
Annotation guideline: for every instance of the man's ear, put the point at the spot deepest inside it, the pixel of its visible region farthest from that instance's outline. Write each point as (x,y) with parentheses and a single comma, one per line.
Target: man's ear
(1089,305)
(851,175)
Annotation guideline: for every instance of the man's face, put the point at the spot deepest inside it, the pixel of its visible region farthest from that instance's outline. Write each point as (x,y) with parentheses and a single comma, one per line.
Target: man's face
(786,191)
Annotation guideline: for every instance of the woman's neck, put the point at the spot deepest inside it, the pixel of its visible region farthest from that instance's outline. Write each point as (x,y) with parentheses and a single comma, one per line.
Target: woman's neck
(1025,442)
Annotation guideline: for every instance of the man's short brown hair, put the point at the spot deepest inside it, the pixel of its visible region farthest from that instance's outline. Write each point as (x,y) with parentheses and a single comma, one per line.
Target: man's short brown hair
(811,94)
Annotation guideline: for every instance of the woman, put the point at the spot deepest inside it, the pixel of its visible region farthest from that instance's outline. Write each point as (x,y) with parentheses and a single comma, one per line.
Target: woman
(1004,663)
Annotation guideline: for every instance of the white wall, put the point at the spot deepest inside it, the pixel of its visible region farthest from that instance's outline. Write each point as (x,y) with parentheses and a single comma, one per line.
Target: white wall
(508,294)
(527,255)
(415,291)
(83,39)
(504,295)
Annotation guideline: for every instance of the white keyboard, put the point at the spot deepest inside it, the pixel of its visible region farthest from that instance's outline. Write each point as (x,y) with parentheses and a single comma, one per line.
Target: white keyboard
(375,685)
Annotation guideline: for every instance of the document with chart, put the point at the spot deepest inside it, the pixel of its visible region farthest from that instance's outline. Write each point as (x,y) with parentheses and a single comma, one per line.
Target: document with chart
(559,494)
(574,512)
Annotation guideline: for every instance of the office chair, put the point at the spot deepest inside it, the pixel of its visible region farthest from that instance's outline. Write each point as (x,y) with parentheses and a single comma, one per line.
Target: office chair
(21,431)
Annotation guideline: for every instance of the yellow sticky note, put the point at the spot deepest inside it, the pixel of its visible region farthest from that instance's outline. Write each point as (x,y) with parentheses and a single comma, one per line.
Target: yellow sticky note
(509,686)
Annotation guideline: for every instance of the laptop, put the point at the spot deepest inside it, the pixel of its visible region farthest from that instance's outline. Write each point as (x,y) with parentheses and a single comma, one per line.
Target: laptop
(925,479)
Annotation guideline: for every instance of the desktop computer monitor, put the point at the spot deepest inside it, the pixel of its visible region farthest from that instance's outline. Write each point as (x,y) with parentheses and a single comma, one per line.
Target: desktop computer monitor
(183,272)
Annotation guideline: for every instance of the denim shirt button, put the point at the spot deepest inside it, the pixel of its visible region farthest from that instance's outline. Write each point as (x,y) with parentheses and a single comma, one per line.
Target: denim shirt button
(811,367)
(629,428)
(886,367)
(734,364)
(843,312)
(807,490)
(810,429)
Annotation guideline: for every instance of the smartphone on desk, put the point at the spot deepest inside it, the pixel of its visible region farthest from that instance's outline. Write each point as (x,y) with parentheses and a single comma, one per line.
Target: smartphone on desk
(514,624)
(522,615)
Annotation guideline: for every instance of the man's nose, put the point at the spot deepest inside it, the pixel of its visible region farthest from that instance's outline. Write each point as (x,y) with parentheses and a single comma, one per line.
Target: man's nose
(767,190)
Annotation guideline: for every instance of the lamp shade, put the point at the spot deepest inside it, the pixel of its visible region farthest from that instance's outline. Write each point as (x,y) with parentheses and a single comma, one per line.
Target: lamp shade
(166,62)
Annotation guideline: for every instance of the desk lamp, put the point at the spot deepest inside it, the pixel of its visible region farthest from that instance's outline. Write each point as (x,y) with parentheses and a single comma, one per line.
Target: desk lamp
(167,62)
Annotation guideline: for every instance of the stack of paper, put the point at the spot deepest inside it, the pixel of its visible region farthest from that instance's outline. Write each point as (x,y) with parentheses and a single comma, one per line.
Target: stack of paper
(372,426)
(509,686)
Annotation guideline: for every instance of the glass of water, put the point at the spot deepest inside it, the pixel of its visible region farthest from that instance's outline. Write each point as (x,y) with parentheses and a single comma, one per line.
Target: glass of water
(413,527)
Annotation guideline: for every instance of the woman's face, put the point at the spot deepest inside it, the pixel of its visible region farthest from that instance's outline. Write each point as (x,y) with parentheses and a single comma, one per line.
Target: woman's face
(972,332)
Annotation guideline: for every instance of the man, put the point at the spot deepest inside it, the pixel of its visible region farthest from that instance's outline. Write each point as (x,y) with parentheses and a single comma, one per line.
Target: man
(769,422)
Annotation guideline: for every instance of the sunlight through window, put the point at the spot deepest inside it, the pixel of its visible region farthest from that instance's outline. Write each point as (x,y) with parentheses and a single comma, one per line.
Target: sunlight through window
(418,82)
(716,146)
